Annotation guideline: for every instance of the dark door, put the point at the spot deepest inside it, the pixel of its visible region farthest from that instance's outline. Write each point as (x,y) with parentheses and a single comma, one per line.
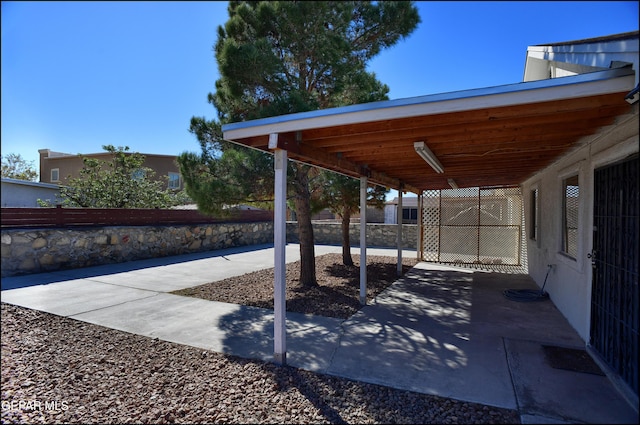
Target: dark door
(614,299)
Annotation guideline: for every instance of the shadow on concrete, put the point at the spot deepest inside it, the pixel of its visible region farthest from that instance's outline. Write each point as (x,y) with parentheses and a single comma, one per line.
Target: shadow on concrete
(450,333)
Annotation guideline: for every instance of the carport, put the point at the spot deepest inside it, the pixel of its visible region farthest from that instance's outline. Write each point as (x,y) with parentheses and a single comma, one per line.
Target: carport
(488,137)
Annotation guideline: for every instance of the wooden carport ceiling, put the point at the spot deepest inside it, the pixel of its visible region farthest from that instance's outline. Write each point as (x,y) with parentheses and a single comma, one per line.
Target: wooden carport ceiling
(500,143)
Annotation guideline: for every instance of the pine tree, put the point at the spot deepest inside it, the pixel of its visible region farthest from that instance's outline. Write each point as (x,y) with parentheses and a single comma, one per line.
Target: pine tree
(281,57)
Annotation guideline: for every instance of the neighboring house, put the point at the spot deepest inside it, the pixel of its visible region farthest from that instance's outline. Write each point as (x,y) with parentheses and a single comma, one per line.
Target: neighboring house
(409,210)
(566,138)
(23,193)
(56,167)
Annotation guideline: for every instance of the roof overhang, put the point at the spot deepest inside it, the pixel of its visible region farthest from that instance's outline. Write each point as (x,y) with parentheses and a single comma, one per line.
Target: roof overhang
(613,51)
(31,183)
(495,136)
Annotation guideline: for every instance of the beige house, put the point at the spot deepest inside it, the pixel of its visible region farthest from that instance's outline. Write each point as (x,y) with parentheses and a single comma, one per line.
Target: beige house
(56,167)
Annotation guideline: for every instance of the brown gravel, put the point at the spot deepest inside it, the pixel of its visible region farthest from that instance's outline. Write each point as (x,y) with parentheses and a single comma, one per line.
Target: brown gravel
(337,294)
(60,370)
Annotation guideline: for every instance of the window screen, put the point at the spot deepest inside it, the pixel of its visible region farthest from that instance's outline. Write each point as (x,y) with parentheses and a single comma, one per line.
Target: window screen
(571,201)
(174,181)
(533,220)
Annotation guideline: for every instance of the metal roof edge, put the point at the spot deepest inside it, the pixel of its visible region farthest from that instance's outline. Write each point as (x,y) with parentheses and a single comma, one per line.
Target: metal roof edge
(31,183)
(377,108)
(603,39)
(106,154)
(629,46)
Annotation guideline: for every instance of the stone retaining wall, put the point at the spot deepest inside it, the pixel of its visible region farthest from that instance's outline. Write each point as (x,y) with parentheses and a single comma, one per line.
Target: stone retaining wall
(26,251)
(378,235)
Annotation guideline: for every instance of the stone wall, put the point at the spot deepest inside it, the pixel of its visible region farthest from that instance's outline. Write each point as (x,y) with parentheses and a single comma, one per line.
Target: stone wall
(378,235)
(26,251)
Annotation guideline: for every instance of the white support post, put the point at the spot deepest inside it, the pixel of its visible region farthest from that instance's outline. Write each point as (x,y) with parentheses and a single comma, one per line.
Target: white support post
(279,238)
(363,240)
(419,235)
(399,234)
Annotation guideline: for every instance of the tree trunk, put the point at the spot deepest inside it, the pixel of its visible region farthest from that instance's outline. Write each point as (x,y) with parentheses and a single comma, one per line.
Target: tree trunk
(305,228)
(346,243)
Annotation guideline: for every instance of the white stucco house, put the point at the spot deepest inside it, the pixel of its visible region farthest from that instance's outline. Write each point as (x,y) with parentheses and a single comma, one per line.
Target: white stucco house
(582,211)
(23,193)
(563,144)
(409,210)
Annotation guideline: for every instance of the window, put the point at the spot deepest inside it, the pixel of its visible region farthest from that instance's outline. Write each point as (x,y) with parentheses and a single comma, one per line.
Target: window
(55,174)
(174,181)
(571,198)
(533,220)
(409,215)
(138,174)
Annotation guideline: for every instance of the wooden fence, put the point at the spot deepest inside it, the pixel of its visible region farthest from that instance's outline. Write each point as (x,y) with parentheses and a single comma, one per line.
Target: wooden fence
(66,217)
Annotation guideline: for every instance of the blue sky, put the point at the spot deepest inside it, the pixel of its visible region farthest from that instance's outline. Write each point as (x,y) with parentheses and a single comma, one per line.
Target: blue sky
(79,75)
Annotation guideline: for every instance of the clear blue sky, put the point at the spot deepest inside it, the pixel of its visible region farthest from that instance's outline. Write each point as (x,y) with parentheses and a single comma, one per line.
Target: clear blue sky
(79,75)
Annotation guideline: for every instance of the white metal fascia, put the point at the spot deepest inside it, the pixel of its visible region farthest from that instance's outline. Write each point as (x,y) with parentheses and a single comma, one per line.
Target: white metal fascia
(31,183)
(629,45)
(602,54)
(591,84)
(596,59)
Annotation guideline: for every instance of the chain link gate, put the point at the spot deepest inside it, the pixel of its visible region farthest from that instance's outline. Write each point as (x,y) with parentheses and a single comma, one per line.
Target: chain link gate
(478,227)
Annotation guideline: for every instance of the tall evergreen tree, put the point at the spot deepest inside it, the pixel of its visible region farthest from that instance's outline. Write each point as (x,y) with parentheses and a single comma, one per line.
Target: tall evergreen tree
(280,57)
(224,175)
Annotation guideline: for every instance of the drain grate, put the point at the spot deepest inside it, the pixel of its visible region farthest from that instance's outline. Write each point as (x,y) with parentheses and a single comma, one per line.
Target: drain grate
(572,359)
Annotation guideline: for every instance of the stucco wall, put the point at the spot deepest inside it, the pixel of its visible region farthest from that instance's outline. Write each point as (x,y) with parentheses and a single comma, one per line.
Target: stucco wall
(71,164)
(26,194)
(569,281)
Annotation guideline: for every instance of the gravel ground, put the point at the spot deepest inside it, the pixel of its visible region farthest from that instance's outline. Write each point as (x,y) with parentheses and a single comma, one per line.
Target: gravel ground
(337,294)
(59,370)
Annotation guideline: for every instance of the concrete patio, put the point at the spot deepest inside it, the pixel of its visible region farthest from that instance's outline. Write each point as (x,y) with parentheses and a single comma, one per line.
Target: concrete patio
(441,330)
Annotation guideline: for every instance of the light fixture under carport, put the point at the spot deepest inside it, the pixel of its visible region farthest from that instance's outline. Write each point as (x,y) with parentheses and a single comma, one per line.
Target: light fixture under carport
(426,154)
